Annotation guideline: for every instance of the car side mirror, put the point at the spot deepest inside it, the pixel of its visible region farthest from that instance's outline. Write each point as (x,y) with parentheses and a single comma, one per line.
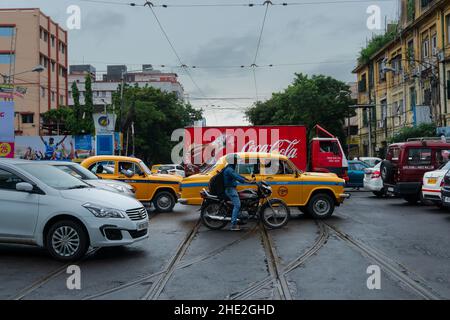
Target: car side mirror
(24,186)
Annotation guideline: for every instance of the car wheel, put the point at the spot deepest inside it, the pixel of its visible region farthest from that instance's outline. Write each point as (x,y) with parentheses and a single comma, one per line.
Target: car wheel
(67,240)
(321,206)
(164,201)
(413,199)
(304,210)
(387,171)
(380,194)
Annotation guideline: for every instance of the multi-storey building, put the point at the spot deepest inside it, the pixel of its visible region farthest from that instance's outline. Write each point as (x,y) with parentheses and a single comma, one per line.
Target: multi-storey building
(102,90)
(29,38)
(405,82)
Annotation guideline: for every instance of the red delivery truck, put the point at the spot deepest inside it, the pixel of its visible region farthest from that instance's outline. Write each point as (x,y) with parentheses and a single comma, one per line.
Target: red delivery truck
(205,145)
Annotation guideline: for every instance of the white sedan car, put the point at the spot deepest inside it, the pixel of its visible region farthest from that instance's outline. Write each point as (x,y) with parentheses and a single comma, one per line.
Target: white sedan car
(47,207)
(432,184)
(87,176)
(373,181)
(175,169)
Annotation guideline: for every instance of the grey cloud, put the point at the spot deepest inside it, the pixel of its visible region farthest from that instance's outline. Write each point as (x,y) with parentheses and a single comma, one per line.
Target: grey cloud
(102,23)
(226,51)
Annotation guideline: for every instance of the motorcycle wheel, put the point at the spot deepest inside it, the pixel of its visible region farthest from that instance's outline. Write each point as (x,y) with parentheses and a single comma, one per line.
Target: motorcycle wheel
(213,209)
(275,214)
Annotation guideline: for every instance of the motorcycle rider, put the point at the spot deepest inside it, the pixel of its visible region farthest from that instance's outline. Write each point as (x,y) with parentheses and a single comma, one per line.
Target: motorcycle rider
(230,179)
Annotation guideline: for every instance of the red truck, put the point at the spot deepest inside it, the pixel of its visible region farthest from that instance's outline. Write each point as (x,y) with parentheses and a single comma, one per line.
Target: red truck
(204,145)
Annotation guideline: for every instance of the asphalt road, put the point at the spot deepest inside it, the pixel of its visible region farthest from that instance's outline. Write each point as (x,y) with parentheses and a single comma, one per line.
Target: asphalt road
(305,260)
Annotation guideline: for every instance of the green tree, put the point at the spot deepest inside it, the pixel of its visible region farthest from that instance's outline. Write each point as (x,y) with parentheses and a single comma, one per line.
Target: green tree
(309,101)
(422,130)
(88,122)
(76,101)
(155,115)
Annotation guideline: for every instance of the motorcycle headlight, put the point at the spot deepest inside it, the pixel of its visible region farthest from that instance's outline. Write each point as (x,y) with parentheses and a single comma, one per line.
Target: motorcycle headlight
(102,212)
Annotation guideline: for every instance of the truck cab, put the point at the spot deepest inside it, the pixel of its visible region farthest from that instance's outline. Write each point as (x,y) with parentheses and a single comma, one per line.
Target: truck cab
(327,155)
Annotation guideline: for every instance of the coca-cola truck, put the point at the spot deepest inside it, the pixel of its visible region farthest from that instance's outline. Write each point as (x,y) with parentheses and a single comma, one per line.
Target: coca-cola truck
(205,145)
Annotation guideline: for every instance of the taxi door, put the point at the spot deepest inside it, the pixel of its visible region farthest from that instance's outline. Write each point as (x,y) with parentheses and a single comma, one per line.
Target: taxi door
(139,179)
(285,181)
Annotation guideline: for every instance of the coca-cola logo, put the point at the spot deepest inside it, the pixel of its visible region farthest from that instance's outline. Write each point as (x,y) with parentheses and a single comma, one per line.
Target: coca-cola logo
(285,147)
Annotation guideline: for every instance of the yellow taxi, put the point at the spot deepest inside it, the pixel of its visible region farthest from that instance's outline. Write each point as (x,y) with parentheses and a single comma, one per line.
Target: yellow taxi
(160,189)
(316,194)
(155,168)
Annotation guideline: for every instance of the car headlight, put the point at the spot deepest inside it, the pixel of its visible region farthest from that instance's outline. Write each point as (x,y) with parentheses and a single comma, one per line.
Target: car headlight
(121,188)
(102,212)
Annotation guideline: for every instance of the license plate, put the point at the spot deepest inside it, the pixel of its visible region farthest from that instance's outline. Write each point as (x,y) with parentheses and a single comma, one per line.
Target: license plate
(447,199)
(142,226)
(390,189)
(432,180)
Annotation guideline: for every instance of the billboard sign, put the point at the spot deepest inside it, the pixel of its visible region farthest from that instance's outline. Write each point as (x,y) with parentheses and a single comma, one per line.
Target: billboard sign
(104,123)
(7,121)
(205,145)
(6,149)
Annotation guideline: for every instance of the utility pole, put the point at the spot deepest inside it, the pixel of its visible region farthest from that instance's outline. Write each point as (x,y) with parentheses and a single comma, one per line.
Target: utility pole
(121,109)
(370,131)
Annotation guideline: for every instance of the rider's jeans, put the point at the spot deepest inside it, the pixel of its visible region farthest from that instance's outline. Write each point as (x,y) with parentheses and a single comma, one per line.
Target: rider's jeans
(234,197)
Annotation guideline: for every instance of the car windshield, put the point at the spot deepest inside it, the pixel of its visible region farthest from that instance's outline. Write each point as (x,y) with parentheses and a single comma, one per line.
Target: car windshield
(78,172)
(145,168)
(53,177)
(445,166)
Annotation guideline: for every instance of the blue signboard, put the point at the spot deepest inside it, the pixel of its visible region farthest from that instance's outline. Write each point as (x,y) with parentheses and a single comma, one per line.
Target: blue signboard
(105,145)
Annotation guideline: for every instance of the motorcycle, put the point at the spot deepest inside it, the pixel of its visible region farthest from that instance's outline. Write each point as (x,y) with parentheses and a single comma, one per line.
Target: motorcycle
(216,212)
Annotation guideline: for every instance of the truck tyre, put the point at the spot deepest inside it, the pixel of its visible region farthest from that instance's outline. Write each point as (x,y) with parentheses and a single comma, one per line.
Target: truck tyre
(320,206)
(387,171)
(67,240)
(164,201)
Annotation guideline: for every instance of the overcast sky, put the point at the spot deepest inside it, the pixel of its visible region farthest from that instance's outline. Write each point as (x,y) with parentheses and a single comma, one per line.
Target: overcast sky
(317,38)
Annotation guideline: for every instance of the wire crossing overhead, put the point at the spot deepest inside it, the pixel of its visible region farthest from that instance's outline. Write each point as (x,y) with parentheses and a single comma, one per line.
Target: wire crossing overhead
(150,6)
(237,5)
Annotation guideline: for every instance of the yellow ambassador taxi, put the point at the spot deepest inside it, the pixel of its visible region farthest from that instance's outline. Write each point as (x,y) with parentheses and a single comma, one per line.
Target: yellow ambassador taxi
(315,194)
(160,189)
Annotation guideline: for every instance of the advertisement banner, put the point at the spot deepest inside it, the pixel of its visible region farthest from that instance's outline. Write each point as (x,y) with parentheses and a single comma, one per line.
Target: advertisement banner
(8,91)
(67,148)
(104,123)
(205,145)
(84,146)
(7,121)
(6,149)
(45,148)
(118,141)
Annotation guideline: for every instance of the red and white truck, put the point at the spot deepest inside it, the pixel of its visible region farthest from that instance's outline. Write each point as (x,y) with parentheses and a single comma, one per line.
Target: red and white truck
(205,145)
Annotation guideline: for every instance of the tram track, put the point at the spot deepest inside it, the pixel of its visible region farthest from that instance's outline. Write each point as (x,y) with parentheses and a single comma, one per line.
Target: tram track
(409,279)
(50,276)
(283,288)
(180,265)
